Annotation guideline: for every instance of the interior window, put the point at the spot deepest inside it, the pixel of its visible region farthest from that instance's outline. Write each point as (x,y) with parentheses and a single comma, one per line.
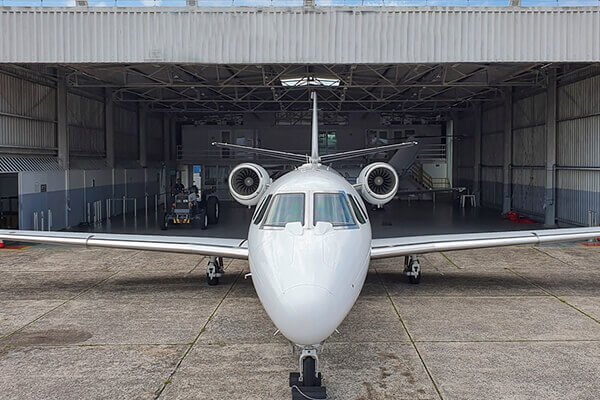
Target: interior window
(333,207)
(261,210)
(288,207)
(357,210)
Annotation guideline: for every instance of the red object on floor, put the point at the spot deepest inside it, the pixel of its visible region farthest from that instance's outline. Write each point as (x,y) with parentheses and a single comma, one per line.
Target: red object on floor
(516,218)
(1,244)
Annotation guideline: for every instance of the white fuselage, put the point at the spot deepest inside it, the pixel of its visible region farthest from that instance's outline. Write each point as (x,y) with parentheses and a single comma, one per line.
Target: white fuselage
(308,279)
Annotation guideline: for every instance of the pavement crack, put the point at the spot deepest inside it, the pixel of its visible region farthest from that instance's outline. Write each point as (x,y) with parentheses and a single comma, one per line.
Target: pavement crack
(450,261)
(553,295)
(169,380)
(549,255)
(195,266)
(412,341)
(58,306)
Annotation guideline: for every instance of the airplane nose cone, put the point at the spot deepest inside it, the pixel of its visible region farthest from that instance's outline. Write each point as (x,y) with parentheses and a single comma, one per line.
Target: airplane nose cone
(311,314)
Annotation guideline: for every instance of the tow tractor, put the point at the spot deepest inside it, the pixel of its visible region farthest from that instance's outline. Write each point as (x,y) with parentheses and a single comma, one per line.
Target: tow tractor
(189,208)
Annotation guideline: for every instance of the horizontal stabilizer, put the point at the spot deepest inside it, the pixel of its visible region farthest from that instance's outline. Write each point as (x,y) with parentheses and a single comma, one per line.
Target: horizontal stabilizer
(264,152)
(362,152)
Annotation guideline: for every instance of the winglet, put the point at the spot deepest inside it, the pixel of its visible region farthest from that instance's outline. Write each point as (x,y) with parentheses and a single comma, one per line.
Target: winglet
(314,158)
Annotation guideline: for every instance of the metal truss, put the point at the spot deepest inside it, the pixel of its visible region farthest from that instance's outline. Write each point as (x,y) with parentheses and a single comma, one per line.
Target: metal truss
(195,88)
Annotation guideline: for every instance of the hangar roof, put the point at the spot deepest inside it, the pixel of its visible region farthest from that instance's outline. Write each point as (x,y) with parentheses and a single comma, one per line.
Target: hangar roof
(299,35)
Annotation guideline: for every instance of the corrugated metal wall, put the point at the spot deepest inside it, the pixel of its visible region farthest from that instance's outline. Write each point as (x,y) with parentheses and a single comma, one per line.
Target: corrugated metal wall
(154,125)
(492,156)
(126,130)
(301,35)
(464,150)
(27,114)
(85,119)
(578,143)
(529,154)
(577,152)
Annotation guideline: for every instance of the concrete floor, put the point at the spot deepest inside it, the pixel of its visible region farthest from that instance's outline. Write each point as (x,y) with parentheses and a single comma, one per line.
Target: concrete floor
(504,323)
(398,218)
(486,324)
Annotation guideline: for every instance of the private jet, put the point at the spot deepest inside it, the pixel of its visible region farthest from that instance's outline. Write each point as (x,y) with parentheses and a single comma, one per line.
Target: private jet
(309,243)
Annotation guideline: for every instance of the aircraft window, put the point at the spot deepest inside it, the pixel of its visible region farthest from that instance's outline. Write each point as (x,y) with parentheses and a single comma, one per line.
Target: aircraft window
(288,207)
(261,210)
(357,210)
(333,207)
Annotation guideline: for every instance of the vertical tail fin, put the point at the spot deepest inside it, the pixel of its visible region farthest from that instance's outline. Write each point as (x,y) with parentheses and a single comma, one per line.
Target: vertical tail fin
(314,158)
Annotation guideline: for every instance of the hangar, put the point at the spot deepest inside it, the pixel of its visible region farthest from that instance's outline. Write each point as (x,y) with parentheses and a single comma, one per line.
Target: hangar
(113,103)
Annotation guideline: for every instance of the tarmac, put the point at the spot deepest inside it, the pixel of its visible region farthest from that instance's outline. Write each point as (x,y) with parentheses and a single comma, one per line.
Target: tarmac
(509,323)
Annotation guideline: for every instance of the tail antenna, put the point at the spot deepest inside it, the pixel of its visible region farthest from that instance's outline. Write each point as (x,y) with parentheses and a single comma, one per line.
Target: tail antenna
(315,131)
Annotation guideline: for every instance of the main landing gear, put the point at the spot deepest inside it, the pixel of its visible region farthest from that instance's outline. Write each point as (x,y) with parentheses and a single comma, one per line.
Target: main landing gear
(307,385)
(214,270)
(412,269)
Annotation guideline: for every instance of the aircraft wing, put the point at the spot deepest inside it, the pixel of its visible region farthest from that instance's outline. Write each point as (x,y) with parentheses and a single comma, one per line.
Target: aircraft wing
(233,248)
(403,246)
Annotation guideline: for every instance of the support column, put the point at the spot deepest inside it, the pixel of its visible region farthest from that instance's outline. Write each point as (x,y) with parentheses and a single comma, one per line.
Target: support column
(449,149)
(477,155)
(507,181)
(62,133)
(142,135)
(550,193)
(109,127)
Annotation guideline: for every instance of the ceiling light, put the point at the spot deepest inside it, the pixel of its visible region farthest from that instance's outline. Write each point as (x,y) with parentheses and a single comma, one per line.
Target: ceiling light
(310,81)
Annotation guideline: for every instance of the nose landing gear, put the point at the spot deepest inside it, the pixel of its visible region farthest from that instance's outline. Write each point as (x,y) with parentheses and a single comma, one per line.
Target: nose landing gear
(214,270)
(412,269)
(308,384)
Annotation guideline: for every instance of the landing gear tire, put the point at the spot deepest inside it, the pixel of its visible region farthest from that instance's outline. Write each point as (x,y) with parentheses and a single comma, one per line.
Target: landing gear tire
(203,222)
(412,269)
(212,210)
(309,385)
(415,280)
(212,281)
(214,270)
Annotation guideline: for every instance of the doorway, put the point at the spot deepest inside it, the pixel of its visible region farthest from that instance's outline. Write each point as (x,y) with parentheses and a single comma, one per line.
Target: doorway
(9,201)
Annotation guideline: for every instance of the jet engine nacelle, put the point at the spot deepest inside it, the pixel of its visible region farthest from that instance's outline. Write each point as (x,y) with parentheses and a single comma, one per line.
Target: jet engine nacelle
(378,183)
(248,182)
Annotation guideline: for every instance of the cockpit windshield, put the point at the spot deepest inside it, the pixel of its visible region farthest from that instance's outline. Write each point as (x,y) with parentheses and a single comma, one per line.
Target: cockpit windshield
(286,207)
(333,207)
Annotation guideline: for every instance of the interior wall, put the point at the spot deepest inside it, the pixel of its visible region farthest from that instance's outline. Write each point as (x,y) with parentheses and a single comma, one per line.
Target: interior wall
(577,168)
(68,193)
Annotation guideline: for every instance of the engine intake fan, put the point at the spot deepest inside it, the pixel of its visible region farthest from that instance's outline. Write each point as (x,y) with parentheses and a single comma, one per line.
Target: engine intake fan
(378,183)
(247,183)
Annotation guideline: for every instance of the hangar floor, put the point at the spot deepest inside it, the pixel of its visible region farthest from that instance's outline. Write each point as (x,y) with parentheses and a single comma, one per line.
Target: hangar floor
(504,323)
(398,218)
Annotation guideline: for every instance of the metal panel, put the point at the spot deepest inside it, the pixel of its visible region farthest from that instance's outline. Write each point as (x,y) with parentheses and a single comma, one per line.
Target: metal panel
(300,35)
(492,120)
(126,134)
(528,190)
(491,186)
(491,149)
(529,111)
(19,164)
(529,146)
(578,142)
(577,193)
(27,114)
(579,99)
(85,119)
(578,146)
(154,125)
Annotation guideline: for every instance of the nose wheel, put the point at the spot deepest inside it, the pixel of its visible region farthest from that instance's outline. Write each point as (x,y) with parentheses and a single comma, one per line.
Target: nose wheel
(307,385)
(214,270)
(412,269)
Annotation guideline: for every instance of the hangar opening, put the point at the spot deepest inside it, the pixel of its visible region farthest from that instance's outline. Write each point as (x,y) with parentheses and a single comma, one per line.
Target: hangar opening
(92,133)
